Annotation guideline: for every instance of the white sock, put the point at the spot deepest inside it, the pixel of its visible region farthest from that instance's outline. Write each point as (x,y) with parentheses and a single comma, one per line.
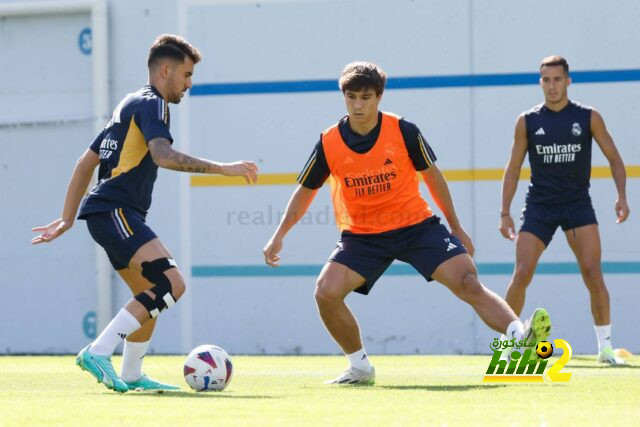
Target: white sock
(132,356)
(515,330)
(120,326)
(603,333)
(505,353)
(359,360)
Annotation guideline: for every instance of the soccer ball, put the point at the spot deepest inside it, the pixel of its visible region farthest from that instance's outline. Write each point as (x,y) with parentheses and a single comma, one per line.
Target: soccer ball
(544,349)
(208,368)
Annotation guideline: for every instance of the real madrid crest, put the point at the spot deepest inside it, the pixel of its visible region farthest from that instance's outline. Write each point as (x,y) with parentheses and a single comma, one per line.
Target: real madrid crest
(576,130)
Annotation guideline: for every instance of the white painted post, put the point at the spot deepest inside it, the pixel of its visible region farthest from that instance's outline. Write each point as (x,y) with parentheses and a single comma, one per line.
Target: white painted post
(100,77)
(183,142)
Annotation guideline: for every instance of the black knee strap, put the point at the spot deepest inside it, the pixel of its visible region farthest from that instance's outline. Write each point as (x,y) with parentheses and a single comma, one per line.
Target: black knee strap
(153,271)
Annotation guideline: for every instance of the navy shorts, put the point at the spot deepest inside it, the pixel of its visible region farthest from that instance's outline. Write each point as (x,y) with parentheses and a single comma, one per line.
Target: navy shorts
(425,246)
(542,220)
(121,233)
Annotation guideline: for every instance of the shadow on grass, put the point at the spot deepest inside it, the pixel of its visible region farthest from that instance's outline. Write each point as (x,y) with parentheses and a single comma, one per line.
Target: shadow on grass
(442,387)
(600,366)
(584,358)
(194,395)
(594,364)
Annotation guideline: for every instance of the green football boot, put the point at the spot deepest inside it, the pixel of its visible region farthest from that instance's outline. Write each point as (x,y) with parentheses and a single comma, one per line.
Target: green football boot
(537,327)
(101,368)
(144,383)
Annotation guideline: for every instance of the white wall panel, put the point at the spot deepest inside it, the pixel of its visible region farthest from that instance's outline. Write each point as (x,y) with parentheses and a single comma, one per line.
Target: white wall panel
(279,41)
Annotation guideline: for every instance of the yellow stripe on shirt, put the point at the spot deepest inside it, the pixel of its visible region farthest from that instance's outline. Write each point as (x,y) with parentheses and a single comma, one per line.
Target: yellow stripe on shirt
(306,174)
(427,159)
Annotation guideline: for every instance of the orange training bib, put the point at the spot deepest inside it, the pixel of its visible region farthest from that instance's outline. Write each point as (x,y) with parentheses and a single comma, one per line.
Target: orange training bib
(376,191)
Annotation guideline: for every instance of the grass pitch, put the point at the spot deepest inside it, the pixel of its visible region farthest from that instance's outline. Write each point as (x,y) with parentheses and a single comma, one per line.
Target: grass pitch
(289,390)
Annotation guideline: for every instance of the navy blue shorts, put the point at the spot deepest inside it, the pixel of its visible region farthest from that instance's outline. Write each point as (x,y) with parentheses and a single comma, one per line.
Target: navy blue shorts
(121,233)
(542,220)
(425,246)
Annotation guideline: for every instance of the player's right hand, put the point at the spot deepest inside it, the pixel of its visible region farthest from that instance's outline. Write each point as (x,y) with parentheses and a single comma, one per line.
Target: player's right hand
(271,251)
(51,231)
(622,210)
(246,169)
(507,229)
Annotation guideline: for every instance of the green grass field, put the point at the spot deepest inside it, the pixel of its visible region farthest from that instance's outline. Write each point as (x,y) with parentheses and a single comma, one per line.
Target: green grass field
(289,390)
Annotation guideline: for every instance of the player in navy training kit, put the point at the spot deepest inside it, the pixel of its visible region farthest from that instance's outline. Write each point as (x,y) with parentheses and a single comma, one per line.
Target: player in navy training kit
(129,150)
(557,136)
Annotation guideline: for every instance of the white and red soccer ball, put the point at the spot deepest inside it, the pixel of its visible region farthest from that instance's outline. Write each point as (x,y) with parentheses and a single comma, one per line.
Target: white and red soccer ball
(208,368)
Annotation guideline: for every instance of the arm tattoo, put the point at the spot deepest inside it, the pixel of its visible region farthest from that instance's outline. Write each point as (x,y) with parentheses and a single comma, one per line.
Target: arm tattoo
(163,153)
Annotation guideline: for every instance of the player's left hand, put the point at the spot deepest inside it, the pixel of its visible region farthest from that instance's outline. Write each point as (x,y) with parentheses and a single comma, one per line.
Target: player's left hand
(622,210)
(50,231)
(271,252)
(464,238)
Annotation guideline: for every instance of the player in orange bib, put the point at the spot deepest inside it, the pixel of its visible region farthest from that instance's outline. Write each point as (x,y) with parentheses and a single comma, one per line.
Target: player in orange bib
(371,159)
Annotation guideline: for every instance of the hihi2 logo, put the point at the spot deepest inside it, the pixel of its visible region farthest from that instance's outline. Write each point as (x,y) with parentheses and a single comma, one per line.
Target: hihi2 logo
(528,366)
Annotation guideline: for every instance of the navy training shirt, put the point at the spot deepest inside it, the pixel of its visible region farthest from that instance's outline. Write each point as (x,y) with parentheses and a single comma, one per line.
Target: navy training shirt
(559,147)
(127,171)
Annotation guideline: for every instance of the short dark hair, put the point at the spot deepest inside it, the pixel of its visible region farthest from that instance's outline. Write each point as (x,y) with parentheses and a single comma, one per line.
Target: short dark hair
(361,76)
(554,60)
(173,47)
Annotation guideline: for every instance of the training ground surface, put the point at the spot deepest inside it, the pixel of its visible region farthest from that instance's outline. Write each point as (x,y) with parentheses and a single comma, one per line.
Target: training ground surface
(289,390)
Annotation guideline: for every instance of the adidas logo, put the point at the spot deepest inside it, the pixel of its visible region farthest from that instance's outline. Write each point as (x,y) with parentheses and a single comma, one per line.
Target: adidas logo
(364,356)
(388,162)
(121,335)
(450,245)
(540,132)
(106,379)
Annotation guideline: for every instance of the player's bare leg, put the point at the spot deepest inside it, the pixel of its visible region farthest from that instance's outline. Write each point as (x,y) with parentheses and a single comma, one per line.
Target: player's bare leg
(151,251)
(585,244)
(333,285)
(529,248)
(137,284)
(460,275)
(96,358)
(137,343)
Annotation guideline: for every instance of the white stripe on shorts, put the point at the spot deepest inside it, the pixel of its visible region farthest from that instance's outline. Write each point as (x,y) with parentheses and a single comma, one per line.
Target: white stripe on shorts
(122,228)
